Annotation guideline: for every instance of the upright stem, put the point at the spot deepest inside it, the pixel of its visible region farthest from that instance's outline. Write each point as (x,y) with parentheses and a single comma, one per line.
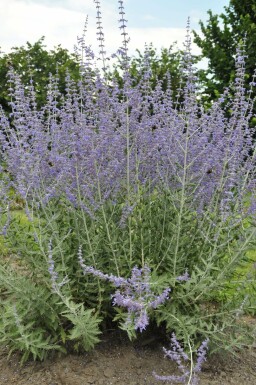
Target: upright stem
(182,203)
(87,234)
(191,364)
(128,187)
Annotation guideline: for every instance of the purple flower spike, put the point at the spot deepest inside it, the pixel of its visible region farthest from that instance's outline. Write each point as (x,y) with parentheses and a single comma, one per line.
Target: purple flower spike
(185,277)
(142,321)
(51,268)
(201,356)
(135,293)
(178,355)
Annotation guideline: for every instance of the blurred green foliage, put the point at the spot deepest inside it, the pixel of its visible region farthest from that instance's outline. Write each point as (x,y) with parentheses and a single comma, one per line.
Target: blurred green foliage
(219,39)
(35,62)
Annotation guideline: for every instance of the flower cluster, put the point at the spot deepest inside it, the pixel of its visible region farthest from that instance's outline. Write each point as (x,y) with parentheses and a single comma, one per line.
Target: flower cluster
(53,273)
(51,268)
(135,293)
(178,355)
(183,278)
(99,137)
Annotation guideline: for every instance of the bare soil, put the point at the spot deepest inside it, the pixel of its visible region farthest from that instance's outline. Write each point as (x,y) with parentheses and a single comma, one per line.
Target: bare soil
(118,361)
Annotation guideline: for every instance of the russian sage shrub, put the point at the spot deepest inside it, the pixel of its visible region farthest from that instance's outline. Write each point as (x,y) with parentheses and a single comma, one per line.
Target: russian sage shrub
(126,177)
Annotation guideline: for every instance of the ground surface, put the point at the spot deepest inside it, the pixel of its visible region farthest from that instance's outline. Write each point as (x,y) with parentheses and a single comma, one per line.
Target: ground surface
(117,361)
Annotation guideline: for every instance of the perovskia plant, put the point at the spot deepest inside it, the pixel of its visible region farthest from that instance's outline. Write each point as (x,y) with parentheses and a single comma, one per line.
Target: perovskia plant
(135,178)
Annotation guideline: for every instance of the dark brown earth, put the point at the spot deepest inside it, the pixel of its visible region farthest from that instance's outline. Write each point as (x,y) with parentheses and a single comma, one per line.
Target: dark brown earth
(117,361)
